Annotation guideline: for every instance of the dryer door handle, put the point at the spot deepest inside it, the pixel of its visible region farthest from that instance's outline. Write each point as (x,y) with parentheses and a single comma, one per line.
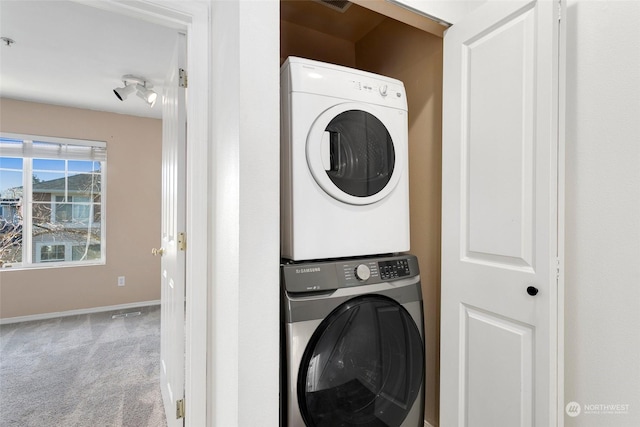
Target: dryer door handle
(331,150)
(325,150)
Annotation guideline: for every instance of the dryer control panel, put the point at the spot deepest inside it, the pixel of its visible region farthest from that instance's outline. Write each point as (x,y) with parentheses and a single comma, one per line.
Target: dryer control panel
(323,276)
(315,77)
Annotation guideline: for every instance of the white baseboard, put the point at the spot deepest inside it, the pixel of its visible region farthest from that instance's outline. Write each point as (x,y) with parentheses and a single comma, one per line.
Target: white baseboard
(45,316)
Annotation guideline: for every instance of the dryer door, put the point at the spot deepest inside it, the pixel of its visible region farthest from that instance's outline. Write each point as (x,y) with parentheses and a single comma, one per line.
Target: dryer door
(362,367)
(353,155)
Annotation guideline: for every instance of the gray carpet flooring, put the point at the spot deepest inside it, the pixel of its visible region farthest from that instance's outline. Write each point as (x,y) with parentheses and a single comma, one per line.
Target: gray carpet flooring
(82,371)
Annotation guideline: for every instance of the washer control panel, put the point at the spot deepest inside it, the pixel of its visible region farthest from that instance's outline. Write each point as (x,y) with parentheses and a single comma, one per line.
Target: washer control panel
(328,275)
(377,271)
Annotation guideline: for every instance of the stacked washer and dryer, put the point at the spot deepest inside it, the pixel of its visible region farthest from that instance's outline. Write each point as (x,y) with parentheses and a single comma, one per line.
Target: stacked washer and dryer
(352,340)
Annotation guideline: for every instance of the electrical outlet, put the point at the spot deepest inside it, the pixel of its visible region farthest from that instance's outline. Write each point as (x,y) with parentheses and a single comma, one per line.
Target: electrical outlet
(120,280)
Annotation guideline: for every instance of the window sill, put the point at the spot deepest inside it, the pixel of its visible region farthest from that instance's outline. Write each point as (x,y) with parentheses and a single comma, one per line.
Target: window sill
(50,265)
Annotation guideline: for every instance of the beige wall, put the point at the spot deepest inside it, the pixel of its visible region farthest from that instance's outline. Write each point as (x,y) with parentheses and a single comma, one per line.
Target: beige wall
(132,213)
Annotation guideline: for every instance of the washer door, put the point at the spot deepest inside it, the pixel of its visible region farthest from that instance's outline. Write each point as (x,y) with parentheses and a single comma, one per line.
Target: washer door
(352,155)
(362,367)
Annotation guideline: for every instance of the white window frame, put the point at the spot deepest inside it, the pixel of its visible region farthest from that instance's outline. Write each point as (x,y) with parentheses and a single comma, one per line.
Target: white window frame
(69,149)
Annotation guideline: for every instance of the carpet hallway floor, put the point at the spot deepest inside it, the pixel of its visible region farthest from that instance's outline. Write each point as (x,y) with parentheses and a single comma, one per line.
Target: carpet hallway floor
(82,371)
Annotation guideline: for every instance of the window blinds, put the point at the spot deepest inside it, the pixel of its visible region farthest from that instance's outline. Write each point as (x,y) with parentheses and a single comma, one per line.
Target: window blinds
(44,147)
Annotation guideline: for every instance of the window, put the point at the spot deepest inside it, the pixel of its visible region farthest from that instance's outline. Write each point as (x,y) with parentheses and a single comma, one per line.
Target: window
(77,210)
(50,253)
(51,201)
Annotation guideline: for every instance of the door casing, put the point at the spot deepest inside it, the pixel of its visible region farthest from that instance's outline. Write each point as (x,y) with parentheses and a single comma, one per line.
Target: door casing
(194,19)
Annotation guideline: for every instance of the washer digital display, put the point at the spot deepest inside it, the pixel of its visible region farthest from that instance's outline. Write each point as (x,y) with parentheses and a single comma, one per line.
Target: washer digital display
(394,269)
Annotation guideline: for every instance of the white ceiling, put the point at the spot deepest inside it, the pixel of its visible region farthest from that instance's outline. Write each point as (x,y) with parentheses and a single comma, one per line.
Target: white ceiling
(71,54)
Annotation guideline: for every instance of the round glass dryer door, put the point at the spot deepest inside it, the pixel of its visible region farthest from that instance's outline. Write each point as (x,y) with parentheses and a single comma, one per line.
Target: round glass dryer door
(362,367)
(352,155)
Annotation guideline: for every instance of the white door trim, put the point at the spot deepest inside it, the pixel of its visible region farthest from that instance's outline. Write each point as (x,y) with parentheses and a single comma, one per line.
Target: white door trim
(562,108)
(244,209)
(232,325)
(195,19)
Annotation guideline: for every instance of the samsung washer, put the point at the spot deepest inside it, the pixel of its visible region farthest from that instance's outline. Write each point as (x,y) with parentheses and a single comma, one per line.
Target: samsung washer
(353,346)
(344,143)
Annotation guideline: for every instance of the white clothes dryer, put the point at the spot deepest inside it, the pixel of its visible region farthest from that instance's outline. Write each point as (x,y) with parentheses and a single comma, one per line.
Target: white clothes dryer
(344,183)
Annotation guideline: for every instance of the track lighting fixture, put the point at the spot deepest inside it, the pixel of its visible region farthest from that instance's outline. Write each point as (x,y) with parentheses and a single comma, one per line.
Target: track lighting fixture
(140,85)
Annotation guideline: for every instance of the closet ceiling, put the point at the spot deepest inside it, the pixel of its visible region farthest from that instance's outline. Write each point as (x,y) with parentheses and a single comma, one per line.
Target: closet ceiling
(70,54)
(351,25)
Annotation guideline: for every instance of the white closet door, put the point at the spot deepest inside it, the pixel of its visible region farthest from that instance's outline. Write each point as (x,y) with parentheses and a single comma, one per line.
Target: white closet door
(499,221)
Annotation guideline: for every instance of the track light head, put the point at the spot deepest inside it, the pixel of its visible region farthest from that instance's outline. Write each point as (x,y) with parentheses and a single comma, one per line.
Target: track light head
(147,95)
(122,92)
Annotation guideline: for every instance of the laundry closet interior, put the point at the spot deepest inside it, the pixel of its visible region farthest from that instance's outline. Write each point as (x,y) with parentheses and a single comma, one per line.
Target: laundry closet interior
(394,42)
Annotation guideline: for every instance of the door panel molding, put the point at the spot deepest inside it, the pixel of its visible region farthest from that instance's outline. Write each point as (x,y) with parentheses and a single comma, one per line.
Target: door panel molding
(485,338)
(498,209)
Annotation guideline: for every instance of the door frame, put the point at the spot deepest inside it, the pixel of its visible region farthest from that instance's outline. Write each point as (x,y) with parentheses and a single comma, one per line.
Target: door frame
(560,228)
(194,19)
(232,264)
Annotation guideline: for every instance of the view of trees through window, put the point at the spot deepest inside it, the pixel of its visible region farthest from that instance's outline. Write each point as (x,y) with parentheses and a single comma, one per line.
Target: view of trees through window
(51,203)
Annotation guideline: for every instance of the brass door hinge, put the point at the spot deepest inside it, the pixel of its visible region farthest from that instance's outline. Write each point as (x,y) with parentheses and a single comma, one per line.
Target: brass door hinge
(179,409)
(182,242)
(183,81)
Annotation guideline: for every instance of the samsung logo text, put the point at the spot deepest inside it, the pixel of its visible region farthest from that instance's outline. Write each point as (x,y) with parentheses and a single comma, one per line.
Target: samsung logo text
(308,270)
